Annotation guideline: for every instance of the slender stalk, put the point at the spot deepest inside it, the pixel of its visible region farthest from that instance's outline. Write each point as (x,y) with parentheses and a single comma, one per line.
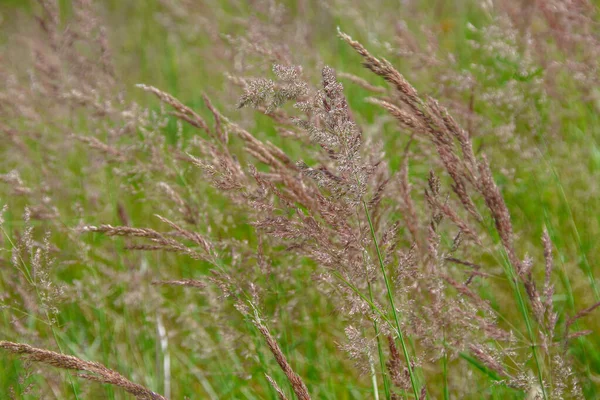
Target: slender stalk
(445,367)
(388,287)
(374,381)
(386,385)
(380,353)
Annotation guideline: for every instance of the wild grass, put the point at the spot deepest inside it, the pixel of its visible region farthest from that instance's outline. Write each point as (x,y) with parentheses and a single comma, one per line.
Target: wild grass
(231,200)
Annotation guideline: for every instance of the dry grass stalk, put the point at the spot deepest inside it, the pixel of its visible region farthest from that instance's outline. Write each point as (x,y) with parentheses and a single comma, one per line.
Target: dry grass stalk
(182,282)
(384,69)
(279,391)
(488,360)
(497,206)
(160,240)
(94,143)
(410,213)
(183,111)
(97,372)
(398,374)
(583,313)
(357,80)
(295,380)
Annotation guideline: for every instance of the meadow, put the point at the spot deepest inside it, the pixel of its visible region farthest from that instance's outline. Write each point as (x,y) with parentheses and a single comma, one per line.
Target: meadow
(299,199)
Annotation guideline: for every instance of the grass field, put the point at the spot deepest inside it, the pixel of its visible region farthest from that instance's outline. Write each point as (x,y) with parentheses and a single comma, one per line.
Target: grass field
(190,198)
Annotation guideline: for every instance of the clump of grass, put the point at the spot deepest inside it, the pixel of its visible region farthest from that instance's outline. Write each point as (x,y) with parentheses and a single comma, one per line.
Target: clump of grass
(423,265)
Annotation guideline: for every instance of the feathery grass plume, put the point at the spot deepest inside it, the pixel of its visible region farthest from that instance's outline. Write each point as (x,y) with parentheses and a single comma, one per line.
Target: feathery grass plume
(428,117)
(497,206)
(186,209)
(33,288)
(161,241)
(95,371)
(489,360)
(571,27)
(548,287)
(384,69)
(425,118)
(94,143)
(335,116)
(398,374)
(409,209)
(17,185)
(341,138)
(271,95)
(359,348)
(323,232)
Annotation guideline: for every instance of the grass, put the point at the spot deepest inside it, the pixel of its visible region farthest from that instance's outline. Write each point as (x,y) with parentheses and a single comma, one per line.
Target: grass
(537,123)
